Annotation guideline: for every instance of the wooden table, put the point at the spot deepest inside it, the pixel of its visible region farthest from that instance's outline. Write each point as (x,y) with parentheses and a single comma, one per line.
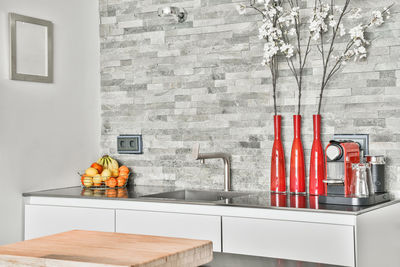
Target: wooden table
(95,249)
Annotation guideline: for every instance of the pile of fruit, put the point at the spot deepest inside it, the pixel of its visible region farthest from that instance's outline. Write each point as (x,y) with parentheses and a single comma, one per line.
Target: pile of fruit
(106,173)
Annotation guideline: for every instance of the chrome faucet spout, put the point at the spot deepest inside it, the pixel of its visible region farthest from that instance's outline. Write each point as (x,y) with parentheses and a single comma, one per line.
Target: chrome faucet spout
(218,155)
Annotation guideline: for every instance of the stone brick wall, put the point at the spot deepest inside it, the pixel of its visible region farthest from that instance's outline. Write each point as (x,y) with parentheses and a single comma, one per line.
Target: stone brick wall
(202,82)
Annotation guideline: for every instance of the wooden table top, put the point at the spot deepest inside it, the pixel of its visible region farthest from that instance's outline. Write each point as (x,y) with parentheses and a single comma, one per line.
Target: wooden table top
(95,249)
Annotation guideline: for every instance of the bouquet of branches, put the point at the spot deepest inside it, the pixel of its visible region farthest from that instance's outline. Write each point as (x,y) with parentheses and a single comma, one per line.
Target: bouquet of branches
(286,33)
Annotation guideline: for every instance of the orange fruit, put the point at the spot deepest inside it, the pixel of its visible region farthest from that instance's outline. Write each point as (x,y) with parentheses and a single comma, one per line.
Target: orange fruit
(112,182)
(97,166)
(82,178)
(123,170)
(114,173)
(120,181)
(124,175)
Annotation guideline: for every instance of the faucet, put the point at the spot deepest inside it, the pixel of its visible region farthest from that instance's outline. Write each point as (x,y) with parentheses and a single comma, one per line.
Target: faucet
(217,155)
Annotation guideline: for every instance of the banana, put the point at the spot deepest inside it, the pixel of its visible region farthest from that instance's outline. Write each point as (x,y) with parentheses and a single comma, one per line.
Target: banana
(114,164)
(108,162)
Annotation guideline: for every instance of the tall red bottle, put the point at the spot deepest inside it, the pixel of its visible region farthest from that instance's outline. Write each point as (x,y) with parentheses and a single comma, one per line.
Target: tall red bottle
(278,175)
(317,165)
(297,168)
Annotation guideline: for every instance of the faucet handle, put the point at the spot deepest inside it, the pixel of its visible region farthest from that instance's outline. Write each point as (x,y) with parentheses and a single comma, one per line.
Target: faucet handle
(195,151)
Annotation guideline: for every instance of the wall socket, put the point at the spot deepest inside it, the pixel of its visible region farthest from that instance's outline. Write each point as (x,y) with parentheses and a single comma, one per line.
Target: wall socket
(130,144)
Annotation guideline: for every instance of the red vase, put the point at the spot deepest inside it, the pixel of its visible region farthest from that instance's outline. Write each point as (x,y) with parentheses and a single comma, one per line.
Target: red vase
(317,165)
(297,168)
(278,175)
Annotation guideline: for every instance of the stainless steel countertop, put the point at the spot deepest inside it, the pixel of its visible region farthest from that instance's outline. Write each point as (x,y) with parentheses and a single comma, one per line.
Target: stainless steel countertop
(235,260)
(265,200)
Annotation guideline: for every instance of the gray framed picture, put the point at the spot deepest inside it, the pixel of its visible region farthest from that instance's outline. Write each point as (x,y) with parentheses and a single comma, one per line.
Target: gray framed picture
(31,45)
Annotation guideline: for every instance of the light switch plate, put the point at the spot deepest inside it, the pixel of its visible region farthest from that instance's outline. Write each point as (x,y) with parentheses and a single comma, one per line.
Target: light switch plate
(130,144)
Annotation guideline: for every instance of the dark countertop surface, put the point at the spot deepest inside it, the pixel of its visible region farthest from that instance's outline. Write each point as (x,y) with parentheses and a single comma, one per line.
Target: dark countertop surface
(252,200)
(234,260)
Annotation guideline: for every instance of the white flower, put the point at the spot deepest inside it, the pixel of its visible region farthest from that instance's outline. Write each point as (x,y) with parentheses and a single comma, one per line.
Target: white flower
(362,50)
(355,13)
(292,32)
(359,53)
(260,2)
(377,18)
(295,11)
(338,9)
(325,8)
(287,49)
(270,50)
(266,2)
(271,12)
(241,9)
(357,33)
(317,23)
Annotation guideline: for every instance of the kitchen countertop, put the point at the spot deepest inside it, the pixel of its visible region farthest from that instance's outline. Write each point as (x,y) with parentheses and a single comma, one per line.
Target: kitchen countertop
(253,200)
(236,260)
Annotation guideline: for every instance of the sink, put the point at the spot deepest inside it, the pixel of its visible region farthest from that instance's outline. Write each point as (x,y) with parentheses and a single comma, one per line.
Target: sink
(197,195)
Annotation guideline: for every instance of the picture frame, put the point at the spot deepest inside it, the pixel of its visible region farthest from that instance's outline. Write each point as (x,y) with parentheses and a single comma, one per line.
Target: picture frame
(31,49)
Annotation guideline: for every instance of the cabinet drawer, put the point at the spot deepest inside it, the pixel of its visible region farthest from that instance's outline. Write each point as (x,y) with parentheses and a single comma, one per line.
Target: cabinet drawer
(203,227)
(48,220)
(313,242)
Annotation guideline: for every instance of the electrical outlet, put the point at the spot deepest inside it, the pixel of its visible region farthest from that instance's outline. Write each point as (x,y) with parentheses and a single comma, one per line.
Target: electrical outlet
(130,144)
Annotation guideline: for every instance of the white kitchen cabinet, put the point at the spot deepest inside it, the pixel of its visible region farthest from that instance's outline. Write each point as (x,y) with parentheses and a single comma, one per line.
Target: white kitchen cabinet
(306,241)
(193,226)
(43,220)
(362,239)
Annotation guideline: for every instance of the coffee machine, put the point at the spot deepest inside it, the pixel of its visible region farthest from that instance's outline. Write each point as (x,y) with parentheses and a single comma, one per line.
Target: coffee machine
(339,159)
(341,155)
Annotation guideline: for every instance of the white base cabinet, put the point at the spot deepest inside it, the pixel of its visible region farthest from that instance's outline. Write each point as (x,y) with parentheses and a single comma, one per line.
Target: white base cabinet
(367,239)
(312,242)
(204,227)
(47,220)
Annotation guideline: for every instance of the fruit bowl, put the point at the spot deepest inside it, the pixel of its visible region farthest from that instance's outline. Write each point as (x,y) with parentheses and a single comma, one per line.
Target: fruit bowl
(105,173)
(103,182)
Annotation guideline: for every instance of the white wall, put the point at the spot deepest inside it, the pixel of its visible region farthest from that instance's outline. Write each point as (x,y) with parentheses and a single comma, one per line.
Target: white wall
(48,131)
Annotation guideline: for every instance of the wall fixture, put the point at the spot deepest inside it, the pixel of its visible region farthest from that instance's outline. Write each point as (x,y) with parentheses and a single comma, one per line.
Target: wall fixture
(180,13)
(31,49)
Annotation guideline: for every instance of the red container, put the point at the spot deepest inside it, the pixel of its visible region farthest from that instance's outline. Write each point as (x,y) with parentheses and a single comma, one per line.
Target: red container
(278,174)
(297,168)
(317,164)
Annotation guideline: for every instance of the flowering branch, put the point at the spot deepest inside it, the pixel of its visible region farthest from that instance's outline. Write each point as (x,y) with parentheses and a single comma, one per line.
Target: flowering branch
(280,28)
(324,17)
(271,34)
(302,58)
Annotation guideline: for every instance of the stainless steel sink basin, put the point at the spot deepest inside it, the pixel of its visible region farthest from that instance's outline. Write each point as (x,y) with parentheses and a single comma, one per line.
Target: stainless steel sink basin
(197,195)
